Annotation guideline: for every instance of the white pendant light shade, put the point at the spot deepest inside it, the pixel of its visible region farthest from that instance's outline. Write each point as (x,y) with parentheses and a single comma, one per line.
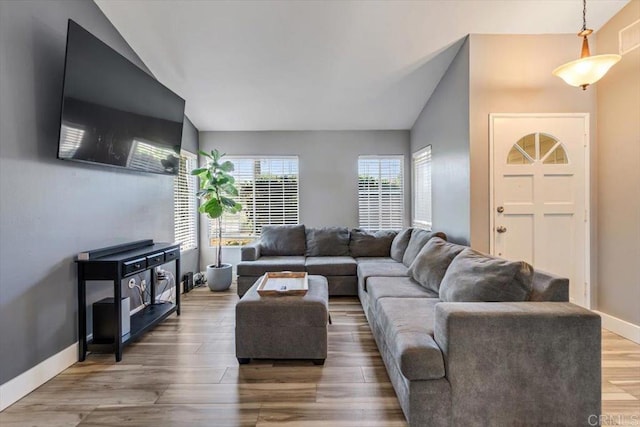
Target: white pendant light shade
(585,71)
(588,69)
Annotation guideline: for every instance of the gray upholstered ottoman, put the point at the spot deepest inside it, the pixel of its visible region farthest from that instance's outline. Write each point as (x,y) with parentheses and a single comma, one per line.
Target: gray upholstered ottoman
(283,327)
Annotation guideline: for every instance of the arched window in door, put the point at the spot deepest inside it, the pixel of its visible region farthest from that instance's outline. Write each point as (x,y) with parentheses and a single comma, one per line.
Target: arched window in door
(537,147)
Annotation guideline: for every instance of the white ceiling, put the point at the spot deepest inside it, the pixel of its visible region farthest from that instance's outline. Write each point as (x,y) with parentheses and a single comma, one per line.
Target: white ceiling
(311,65)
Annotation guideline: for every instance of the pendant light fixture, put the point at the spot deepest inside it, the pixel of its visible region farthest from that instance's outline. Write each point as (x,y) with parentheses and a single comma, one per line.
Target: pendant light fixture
(588,69)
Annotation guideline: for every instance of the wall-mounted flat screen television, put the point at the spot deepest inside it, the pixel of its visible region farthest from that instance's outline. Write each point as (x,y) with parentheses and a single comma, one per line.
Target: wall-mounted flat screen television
(114,113)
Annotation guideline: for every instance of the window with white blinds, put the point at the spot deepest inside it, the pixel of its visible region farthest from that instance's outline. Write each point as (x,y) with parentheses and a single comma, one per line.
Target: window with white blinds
(380,192)
(268,190)
(185,215)
(421,173)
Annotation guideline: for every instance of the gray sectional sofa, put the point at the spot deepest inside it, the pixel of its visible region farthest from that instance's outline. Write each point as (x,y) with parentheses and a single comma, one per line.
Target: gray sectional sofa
(333,252)
(467,339)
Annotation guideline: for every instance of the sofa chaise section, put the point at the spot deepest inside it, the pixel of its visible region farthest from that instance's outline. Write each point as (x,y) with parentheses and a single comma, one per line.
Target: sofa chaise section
(414,361)
(535,362)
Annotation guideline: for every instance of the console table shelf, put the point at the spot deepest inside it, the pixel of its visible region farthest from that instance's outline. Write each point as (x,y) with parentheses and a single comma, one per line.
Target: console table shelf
(148,317)
(114,264)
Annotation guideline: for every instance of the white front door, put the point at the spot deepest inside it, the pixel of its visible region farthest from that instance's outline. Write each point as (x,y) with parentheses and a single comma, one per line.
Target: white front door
(540,194)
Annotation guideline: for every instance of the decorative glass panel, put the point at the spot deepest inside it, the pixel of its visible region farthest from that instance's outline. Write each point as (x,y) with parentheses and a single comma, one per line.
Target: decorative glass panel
(516,157)
(528,144)
(557,157)
(547,142)
(537,147)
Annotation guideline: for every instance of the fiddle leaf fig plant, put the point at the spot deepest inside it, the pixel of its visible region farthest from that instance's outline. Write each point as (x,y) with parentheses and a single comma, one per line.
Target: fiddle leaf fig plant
(216,192)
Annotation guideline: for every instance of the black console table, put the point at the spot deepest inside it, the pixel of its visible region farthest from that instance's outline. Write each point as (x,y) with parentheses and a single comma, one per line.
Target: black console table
(114,264)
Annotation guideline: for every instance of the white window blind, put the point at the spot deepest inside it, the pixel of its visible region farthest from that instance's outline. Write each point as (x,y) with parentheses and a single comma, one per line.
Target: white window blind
(380,192)
(185,215)
(421,173)
(268,190)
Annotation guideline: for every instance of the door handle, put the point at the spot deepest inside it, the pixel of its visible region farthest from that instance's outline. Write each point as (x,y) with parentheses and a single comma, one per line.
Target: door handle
(501,229)
(500,209)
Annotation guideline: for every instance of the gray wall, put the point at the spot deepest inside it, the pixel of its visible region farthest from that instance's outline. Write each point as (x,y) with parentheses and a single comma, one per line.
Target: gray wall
(618,104)
(50,209)
(328,162)
(444,124)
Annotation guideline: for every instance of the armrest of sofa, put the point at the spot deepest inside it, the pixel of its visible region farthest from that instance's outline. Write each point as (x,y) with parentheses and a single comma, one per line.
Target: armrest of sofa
(535,361)
(549,287)
(251,251)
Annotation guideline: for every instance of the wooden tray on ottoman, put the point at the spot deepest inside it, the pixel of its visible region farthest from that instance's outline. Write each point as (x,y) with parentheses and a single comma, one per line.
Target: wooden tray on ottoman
(283,283)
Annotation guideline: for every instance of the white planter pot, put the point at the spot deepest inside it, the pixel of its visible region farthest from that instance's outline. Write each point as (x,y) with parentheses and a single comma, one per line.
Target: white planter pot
(219,279)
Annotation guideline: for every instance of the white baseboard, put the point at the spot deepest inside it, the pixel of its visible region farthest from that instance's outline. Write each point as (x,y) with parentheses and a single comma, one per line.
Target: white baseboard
(18,387)
(621,327)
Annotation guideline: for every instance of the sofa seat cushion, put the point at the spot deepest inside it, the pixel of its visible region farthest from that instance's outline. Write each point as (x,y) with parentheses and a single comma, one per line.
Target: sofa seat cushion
(383,269)
(409,338)
(270,263)
(362,259)
(395,287)
(331,265)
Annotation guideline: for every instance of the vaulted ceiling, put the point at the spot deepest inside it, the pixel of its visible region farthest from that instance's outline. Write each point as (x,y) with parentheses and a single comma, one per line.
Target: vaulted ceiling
(311,65)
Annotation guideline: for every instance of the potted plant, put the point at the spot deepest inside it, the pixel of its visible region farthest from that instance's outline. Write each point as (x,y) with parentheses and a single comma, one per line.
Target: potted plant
(216,193)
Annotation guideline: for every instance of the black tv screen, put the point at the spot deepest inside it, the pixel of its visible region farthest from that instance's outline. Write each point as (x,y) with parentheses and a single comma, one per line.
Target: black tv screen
(114,113)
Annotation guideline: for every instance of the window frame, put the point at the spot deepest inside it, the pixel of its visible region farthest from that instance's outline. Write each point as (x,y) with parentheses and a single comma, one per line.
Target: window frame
(192,187)
(426,223)
(401,221)
(239,238)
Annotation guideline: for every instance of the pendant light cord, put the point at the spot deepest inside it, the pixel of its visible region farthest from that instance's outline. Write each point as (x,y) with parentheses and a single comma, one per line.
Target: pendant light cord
(584,15)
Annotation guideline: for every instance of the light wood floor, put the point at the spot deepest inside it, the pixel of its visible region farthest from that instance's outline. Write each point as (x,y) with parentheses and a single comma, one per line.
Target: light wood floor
(184,373)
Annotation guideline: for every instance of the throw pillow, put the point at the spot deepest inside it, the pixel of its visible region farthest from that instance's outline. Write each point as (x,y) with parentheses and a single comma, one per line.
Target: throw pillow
(475,277)
(282,240)
(378,244)
(432,262)
(328,241)
(418,239)
(399,244)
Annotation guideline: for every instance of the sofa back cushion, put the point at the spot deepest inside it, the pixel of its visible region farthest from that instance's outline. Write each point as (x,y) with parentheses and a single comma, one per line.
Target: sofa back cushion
(328,241)
(399,244)
(363,243)
(282,240)
(432,262)
(475,277)
(418,239)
